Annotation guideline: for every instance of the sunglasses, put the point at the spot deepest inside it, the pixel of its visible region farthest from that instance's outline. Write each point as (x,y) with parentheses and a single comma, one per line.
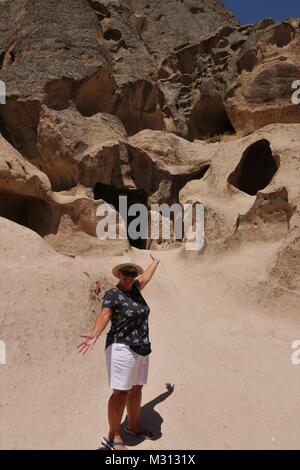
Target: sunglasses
(129,273)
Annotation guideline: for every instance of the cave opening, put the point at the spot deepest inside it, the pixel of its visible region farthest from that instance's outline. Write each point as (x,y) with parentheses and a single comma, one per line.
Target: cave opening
(256,169)
(111,195)
(138,105)
(284,33)
(112,35)
(4,132)
(209,119)
(196,10)
(30,212)
(2,56)
(247,62)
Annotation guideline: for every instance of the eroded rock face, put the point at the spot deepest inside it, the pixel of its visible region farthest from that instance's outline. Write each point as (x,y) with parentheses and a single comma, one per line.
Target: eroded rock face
(44,49)
(74,149)
(154,166)
(43,280)
(175,161)
(198,77)
(96,153)
(89,160)
(67,220)
(161,102)
(101,55)
(268,218)
(105,96)
(221,83)
(286,272)
(270,56)
(262,208)
(18,176)
(283,283)
(169,24)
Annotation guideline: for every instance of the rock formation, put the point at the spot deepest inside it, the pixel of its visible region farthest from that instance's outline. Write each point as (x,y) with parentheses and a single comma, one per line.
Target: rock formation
(164,102)
(102,95)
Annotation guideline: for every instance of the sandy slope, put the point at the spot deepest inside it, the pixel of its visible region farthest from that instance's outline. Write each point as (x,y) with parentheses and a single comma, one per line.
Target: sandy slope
(235,385)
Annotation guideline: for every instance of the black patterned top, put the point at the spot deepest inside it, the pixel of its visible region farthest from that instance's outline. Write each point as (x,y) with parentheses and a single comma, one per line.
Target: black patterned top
(129,320)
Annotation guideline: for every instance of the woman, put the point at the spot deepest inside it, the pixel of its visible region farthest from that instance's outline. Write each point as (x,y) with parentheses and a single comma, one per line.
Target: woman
(127,348)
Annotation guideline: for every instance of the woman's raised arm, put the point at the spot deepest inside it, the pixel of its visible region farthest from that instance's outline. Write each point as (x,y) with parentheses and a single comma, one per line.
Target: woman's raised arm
(146,276)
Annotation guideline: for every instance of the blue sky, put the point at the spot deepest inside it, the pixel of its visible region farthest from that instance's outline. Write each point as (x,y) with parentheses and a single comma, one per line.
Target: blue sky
(250,11)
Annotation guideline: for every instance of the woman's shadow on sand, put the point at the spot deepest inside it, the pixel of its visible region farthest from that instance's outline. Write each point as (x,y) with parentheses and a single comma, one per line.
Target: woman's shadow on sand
(150,419)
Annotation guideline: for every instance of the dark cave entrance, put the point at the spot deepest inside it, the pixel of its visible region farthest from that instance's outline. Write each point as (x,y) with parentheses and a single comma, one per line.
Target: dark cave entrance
(30,212)
(111,195)
(208,119)
(256,169)
(4,132)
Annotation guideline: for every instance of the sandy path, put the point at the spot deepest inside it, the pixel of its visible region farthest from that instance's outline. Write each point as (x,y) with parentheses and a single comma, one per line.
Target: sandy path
(235,385)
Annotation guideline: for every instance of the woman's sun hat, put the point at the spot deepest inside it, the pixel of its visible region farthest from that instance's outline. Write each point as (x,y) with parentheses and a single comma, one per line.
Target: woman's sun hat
(130,265)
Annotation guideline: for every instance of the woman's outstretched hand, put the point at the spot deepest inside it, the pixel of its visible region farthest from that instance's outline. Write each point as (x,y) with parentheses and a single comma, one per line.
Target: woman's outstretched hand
(87,344)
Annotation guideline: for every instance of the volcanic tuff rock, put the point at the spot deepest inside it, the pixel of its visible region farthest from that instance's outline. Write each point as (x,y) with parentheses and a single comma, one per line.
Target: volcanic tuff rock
(236,79)
(75,149)
(136,60)
(89,52)
(109,97)
(162,101)
(68,221)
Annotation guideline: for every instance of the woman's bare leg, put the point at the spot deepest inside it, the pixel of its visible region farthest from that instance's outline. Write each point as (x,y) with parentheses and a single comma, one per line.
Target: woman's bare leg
(133,405)
(116,406)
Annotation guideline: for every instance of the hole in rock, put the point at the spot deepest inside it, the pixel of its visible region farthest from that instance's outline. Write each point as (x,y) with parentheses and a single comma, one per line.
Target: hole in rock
(112,35)
(12,56)
(30,212)
(163,73)
(111,195)
(247,62)
(196,10)
(20,122)
(58,93)
(4,132)
(219,56)
(2,55)
(256,168)
(283,35)
(139,107)
(209,118)
(95,94)
(226,31)
(223,42)
(238,44)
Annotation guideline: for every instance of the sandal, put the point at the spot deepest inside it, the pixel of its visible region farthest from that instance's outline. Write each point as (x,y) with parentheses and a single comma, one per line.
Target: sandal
(111,444)
(145,434)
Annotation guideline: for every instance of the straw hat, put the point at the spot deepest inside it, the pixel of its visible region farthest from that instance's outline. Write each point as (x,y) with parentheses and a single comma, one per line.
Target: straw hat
(127,265)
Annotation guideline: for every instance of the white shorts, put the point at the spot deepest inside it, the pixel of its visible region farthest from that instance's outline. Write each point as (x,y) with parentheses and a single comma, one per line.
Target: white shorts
(125,368)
